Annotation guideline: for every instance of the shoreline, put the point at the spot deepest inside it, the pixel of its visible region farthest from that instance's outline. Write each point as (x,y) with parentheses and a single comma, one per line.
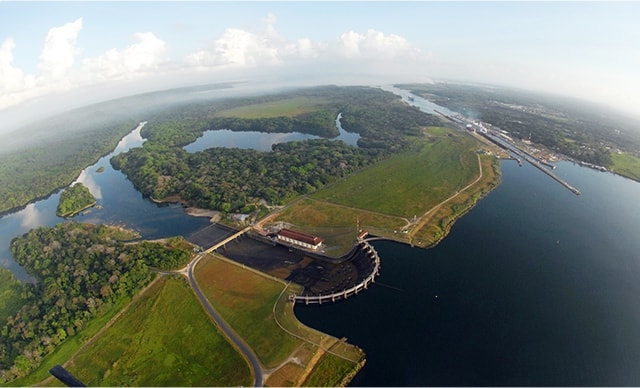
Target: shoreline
(75,212)
(213,215)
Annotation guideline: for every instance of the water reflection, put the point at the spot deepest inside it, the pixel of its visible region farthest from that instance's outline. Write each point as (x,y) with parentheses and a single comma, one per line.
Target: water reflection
(260,141)
(119,202)
(87,179)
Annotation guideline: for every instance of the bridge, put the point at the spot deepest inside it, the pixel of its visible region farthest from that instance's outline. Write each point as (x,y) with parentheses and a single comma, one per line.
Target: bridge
(344,294)
(228,239)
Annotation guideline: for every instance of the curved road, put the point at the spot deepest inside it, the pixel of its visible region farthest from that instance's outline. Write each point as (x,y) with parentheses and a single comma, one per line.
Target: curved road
(228,331)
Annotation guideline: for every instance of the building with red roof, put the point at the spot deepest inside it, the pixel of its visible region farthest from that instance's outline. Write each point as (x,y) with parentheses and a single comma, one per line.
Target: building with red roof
(300,239)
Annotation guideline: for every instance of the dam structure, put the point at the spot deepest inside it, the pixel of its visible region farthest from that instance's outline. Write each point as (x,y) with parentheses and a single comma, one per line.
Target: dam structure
(362,247)
(296,257)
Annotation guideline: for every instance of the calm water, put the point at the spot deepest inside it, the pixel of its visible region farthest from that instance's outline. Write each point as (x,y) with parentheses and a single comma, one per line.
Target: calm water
(535,286)
(260,141)
(120,204)
(117,203)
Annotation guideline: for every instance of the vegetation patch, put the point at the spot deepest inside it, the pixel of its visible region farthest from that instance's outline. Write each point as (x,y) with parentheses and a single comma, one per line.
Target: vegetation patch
(437,224)
(231,179)
(164,339)
(71,345)
(81,270)
(329,372)
(337,224)
(412,197)
(10,295)
(74,199)
(410,183)
(626,165)
(35,172)
(245,299)
(259,310)
(288,107)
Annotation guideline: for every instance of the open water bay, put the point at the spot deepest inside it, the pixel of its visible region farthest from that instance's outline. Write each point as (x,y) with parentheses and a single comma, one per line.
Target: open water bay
(534,287)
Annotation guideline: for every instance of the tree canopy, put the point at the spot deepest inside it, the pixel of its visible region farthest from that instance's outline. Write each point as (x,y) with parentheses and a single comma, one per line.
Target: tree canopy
(74,199)
(80,268)
(230,179)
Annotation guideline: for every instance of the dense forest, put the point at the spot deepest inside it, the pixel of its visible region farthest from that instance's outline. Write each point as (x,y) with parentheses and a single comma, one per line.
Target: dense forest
(81,268)
(582,131)
(236,179)
(74,199)
(42,157)
(27,174)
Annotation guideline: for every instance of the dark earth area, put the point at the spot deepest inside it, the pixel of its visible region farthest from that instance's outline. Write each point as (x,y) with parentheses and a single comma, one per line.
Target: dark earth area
(318,274)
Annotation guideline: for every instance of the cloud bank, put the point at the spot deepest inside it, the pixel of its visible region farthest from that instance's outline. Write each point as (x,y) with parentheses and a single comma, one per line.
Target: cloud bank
(62,66)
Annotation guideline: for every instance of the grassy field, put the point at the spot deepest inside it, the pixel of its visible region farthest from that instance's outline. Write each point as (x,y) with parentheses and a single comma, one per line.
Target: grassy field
(290,107)
(71,345)
(436,225)
(626,165)
(412,182)
(245,299)
(329,372)
(337,224)
(164,339)
(401,198)
(257,307)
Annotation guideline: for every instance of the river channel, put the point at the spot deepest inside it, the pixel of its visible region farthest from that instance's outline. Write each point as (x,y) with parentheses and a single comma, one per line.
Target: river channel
(119,203)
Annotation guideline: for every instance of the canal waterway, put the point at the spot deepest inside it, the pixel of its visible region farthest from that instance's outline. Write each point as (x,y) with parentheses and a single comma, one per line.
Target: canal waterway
(533,287)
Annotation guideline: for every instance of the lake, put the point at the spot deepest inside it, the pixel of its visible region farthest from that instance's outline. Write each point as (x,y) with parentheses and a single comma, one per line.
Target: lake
(260,141)
(535,286)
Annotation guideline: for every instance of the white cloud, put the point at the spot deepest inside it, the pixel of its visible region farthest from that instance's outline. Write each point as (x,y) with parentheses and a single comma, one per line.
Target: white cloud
(12,79)
(59,51)
(238,48)
(374,44)
(236,51)
(143,56)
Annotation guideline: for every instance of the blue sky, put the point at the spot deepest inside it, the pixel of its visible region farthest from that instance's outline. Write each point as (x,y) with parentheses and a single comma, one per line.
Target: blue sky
(76,52)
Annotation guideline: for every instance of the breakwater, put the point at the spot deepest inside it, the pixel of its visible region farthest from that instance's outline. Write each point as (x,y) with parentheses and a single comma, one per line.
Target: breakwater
(532,160)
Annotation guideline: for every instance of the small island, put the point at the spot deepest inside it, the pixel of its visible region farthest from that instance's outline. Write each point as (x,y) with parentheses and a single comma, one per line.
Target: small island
(75,199)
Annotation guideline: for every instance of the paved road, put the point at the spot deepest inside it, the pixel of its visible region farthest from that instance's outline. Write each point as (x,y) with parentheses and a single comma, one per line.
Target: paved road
(228,331)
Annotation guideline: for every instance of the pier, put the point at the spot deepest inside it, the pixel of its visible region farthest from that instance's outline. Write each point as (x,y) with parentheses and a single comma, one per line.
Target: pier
(531,159)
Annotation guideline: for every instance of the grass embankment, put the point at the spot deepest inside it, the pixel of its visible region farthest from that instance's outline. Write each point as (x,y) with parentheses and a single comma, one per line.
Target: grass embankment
(245,299)
(257,308)
(437,224)
(163,339)
(400,191)
(71,345)
(289,107)
(626,165)
(337,224)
